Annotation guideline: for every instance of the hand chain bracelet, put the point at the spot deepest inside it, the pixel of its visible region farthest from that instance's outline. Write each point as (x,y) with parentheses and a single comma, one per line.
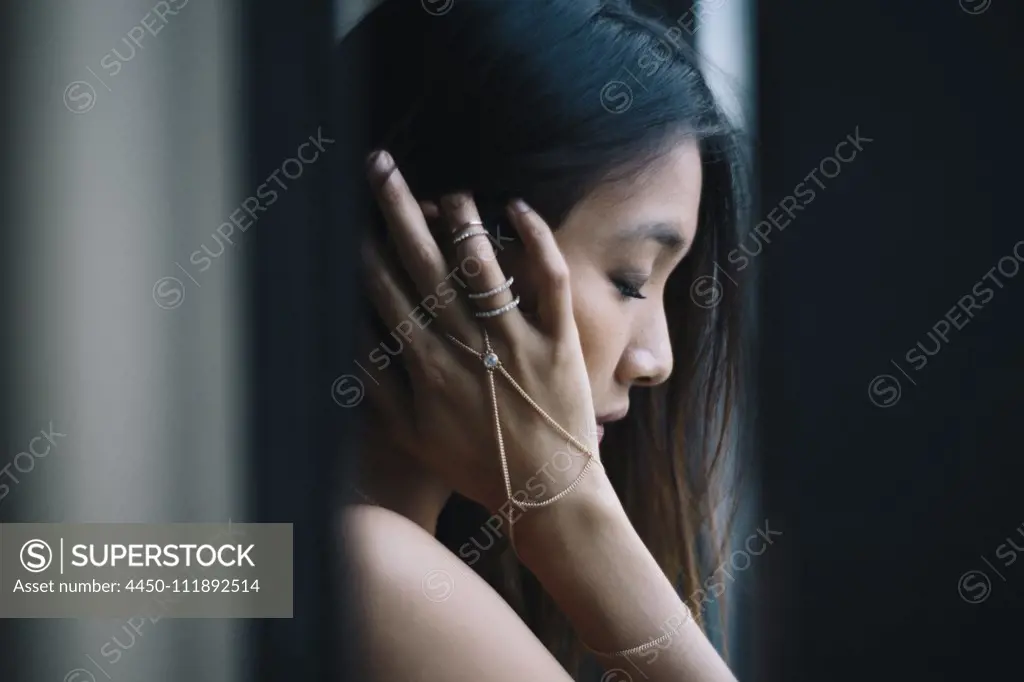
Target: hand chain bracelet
(492,363)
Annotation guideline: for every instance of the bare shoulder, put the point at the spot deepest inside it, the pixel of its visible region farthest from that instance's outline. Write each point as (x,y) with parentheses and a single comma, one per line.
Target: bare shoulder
(385,546)
(427,615)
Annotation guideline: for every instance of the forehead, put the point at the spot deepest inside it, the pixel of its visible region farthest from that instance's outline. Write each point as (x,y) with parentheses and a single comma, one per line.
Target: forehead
(668,190)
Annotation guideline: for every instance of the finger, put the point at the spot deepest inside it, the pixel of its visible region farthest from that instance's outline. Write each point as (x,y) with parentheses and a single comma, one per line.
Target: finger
(478,267)
(430,210)
(417,249)
(382,398)
(405,320)
(390,404)
(554,301)
(388,392)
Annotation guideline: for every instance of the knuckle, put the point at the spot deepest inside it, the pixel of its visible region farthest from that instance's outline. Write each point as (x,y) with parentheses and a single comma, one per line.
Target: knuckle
(558,274)
(521,356)
(434,372)
(425,252)
(563,350)
(481,248)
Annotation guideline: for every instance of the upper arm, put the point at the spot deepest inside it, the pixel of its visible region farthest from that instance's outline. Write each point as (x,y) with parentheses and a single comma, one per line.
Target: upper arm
(429,617)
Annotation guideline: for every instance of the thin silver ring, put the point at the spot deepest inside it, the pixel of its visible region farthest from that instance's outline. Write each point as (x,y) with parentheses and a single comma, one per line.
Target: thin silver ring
(514,303)
(471,232)
(495,290)
(471,223)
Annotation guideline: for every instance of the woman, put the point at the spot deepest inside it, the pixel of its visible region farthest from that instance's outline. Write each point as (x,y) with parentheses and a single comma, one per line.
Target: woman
(552,177)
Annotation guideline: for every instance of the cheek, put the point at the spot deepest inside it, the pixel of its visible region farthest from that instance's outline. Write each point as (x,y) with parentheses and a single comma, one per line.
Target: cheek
(602,324)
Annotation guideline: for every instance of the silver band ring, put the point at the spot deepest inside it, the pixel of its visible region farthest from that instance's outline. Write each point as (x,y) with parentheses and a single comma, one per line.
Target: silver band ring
(495,290)
(471,223)
(471,232)
(514,303)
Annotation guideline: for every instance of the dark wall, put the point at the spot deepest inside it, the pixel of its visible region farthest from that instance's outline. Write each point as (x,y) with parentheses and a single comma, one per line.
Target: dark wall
(892,472)
(302,298)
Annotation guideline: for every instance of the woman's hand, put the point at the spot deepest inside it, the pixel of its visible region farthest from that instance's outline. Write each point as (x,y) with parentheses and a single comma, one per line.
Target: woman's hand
(448,420)
(583,550)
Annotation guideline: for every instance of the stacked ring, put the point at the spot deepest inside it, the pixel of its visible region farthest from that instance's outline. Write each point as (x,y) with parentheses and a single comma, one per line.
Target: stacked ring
(471,232)
(514,303)
(496,290)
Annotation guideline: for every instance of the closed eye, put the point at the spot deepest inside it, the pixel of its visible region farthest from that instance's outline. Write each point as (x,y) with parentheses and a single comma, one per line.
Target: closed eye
(628,288)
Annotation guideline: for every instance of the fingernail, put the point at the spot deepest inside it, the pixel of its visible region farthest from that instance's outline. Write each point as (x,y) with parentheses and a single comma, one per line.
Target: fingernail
(519,206)
(379,162)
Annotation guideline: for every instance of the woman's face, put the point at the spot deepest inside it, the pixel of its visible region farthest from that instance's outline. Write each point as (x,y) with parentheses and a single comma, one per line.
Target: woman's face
(621,244)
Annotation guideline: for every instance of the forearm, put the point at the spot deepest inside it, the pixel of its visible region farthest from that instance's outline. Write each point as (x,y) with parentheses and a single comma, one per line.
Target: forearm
(590,559)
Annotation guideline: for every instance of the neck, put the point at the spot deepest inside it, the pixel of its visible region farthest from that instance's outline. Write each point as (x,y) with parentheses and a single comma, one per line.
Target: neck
(394,480)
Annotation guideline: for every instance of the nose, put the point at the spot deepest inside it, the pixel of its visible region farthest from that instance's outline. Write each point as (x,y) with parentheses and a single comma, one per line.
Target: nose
(647,360)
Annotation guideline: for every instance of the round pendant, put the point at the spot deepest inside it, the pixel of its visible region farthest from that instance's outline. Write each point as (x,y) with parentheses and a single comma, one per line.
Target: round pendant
(490,360)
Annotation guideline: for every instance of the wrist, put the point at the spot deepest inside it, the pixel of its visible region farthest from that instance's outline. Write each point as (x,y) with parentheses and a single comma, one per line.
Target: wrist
(542,535)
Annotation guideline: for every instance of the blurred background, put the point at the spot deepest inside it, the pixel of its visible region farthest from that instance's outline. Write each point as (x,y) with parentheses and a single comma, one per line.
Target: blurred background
(187,355)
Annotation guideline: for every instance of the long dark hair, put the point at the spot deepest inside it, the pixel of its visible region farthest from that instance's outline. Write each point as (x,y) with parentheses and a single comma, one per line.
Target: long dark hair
(545,100)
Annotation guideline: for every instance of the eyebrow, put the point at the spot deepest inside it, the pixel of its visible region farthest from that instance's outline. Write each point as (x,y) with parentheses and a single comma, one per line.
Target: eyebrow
(668,234)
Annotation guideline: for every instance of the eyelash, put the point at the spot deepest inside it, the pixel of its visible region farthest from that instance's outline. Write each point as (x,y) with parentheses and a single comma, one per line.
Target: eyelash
(627,289)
